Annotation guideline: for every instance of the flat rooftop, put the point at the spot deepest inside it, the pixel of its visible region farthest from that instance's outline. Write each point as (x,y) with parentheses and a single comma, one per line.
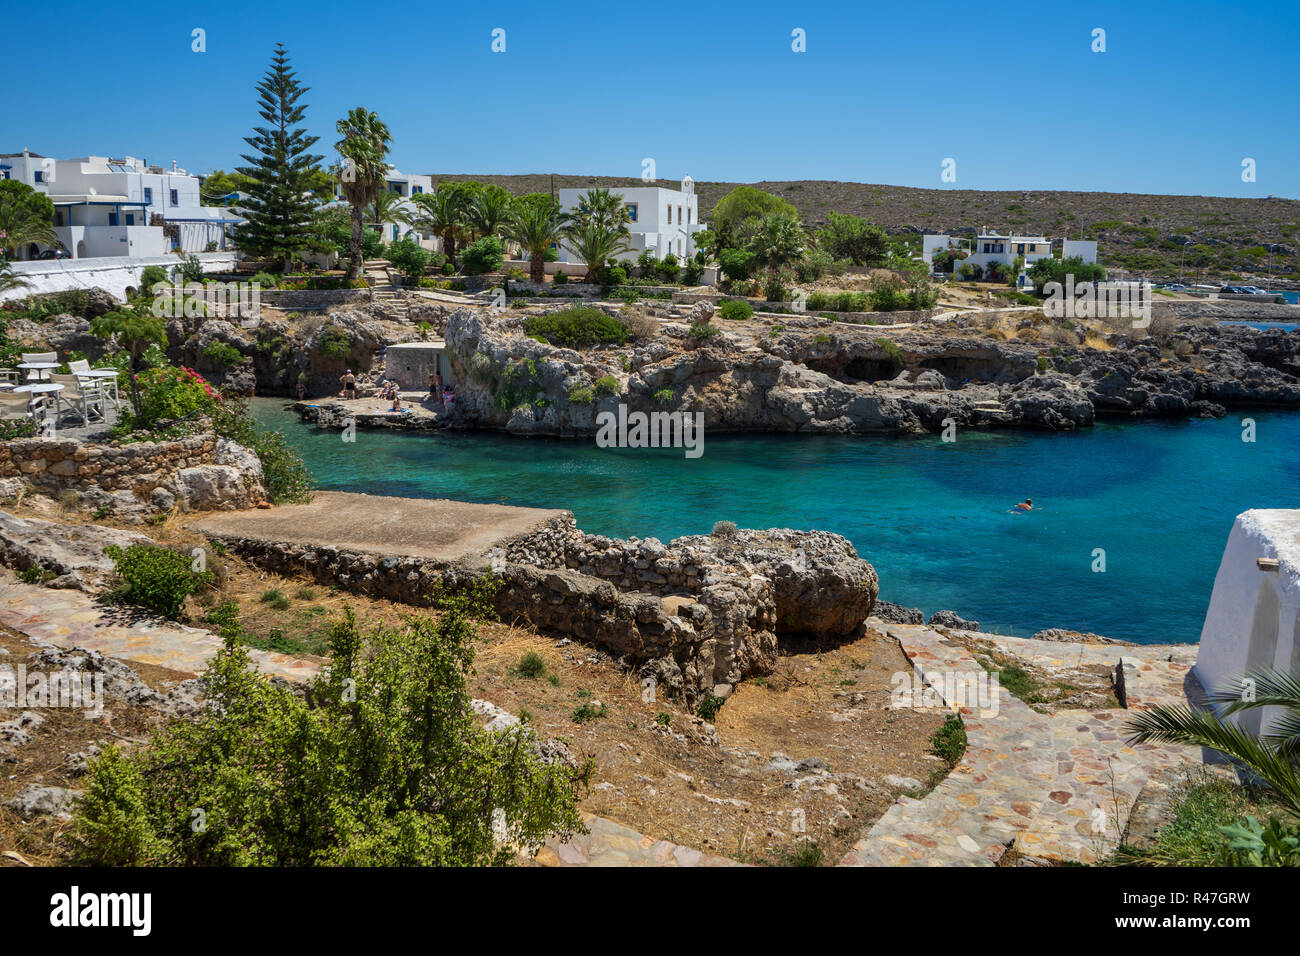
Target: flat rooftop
(433,528)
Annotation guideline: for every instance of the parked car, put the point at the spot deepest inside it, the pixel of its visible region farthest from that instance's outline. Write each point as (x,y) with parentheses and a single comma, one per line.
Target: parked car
(55,254)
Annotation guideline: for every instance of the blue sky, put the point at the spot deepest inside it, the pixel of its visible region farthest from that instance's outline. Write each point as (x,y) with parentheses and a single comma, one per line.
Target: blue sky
(884,93)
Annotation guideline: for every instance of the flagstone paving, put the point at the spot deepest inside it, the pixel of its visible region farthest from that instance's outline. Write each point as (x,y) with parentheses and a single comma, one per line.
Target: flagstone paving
(68,618)
(1058,786)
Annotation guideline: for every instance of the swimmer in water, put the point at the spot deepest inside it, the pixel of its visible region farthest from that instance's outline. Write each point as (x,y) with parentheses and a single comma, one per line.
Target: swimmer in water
(1026,505)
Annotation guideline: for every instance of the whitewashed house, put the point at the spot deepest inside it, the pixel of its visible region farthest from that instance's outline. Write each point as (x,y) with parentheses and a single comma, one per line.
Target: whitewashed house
(122,207)
(405,185)
(661,220)
(989,247)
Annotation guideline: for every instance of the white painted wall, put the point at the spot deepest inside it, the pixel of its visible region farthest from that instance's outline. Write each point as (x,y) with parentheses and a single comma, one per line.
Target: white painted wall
(653,230)
(1085,249)
(113,273)
(1252,619)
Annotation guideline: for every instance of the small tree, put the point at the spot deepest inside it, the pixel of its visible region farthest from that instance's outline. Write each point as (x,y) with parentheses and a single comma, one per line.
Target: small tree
(134,332)
(536,223)
(362,172)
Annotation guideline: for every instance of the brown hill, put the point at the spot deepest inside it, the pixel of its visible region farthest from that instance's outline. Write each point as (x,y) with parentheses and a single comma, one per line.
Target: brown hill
(1203,235)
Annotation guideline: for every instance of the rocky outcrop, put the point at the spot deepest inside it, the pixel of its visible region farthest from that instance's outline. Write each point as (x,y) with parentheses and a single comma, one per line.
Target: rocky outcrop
(952,620)
(815,376)
(73,553)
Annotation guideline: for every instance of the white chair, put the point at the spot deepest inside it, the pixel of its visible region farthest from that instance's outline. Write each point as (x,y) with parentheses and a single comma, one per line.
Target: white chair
(85,398)
(39,374)
(79,366)
(10,377)
(15,406)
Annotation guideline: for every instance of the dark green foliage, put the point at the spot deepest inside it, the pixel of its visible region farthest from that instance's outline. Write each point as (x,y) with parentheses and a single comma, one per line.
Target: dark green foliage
(409,257)
(735,309)
(850,237)
(1055,270)
(710,706)
(579,327)
(484,255)
(382,764)
(949,741)
(281,169)
(154,577)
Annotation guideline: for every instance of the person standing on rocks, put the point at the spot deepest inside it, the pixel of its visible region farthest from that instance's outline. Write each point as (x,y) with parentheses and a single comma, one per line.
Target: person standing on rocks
(349,385)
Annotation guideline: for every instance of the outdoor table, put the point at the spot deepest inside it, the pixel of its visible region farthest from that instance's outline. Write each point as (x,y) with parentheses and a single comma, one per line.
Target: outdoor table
(38,388)
(42,369)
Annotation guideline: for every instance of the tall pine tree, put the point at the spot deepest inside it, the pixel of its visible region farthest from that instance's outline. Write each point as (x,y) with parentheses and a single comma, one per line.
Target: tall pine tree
(279,208)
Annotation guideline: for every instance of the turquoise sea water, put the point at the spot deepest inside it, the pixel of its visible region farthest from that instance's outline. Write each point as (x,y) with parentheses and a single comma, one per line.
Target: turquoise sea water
(1158,498)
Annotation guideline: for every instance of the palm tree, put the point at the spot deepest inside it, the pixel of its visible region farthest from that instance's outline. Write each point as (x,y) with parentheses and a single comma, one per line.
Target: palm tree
(363,148)
(387,207)
(536,225)
(26,216)
(601,207)
(10,280)
(441,213)
(488,211)
(595,243)
(1272,756)
(778,240)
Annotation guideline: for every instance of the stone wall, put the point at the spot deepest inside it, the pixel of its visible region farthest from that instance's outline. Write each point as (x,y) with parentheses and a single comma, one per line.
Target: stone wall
(111,273)
(313,300)
(199,472)
(695,616)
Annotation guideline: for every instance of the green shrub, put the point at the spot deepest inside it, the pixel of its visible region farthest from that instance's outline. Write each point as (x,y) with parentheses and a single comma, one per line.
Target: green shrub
(587,711)
(334,342)
(949,741)
(647,263)
(1042,364)
(531,664)
(582,396)
(668,268)
(560,278)
(222,354)
(893,351)
(703,331)
(607,385)
(609,276)
(710,706)
(265,280)
(484,255)
(735,309)
(151,276)
(382,764)
(409,257)
(154,577)
(579,327)
(664,396)
(275,599)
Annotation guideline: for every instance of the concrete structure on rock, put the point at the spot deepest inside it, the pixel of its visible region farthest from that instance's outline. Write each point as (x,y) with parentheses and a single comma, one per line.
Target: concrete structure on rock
(1253,622)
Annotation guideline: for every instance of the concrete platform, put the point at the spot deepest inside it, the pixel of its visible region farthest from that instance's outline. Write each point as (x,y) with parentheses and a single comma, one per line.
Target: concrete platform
(433,528)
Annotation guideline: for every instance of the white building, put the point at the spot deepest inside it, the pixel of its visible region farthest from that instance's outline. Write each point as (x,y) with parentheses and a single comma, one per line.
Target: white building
(122,207)
(662,220)
(1253,621)
(989,247)
(406,186)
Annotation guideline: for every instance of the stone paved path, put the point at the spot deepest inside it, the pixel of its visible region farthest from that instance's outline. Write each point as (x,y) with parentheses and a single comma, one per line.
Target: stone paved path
(1054,785)
(67,618)
(612,844)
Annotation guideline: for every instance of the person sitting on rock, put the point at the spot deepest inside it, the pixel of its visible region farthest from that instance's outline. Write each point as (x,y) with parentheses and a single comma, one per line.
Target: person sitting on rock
(349,385)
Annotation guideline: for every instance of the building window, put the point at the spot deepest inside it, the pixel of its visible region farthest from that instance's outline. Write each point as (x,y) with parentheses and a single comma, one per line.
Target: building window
(112,218)
(416,190)
(130,219)
(631,211)
(58,217)
(688,215)
(148,196)
(670,215)
(40,176)
(679,215)
(174,197)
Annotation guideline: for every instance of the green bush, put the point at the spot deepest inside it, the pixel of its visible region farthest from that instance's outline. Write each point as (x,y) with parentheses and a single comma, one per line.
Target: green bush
(484,255)
(703,331)
(607,385)
(409,257)
(560,278)
(737,264)
(611,275)
(265,280)
(381,764)
(222,354)
(579,327)
(154,577)
(151,276)
(647,263)
(531,664)
(582,396)
(710,706)
(668,268)
(284,476)
(664,396)
(949,741)
(735,309)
